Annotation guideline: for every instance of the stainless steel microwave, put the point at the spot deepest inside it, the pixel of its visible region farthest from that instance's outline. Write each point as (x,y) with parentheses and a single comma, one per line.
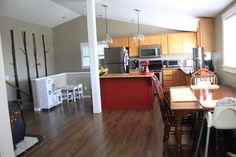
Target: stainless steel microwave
(150,51)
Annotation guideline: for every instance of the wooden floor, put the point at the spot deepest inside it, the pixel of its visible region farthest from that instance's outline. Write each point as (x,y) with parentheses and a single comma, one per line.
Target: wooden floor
(71,130)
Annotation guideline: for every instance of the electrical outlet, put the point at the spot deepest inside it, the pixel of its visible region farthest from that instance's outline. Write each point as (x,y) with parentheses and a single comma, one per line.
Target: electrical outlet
(85,87)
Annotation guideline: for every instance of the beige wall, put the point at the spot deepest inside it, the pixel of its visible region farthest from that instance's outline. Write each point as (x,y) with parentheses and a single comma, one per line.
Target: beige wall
(68,36)
(18,26)
(224,77)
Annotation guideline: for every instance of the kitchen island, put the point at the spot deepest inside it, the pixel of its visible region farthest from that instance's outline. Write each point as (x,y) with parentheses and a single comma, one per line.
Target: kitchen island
(127,91)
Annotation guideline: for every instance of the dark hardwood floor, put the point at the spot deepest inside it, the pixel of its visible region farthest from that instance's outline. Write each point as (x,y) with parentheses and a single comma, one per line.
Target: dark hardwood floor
(72,130)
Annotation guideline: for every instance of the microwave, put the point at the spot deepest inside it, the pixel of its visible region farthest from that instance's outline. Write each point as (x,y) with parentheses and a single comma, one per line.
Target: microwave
(172,63)
(150,51)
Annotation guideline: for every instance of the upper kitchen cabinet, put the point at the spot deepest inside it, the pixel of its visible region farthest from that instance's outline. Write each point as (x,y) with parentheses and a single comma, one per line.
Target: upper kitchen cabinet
(179,43)
(120,42)
(175,42)
(189,42)
(151,40)
(205,34)
(164,44)
(133,47)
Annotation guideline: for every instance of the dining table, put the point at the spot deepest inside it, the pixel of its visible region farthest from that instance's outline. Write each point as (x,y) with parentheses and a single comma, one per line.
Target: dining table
(193,99)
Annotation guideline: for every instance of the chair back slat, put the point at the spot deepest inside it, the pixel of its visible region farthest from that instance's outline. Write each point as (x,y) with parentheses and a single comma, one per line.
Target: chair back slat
(203,76)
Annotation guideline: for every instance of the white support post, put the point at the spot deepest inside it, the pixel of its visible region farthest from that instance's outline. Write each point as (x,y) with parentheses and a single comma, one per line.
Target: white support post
(94,71)
(6,143)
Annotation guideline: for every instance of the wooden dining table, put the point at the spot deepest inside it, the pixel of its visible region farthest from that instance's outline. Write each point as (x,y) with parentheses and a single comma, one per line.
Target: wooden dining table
(185,100)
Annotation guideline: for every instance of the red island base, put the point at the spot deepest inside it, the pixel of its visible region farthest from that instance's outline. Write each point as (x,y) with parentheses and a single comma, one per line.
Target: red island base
(127,92)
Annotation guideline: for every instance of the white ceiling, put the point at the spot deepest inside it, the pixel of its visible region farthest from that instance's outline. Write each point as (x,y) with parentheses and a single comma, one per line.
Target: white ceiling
(172,14)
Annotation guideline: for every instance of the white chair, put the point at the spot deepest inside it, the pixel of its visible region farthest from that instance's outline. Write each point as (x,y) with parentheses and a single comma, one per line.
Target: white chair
(67,94)
(223,117)
(80,92)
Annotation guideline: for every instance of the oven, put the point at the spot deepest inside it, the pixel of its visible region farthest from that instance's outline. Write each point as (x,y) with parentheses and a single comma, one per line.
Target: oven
(156,67)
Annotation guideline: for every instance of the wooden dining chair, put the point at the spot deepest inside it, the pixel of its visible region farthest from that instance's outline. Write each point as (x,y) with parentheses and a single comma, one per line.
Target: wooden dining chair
(203,76)
(168,116)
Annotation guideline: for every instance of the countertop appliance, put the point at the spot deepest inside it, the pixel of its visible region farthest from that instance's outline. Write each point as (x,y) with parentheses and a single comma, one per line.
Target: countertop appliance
(172,63)
(153,51)
(135,64)
(198,58)
(208,61)
(117,60)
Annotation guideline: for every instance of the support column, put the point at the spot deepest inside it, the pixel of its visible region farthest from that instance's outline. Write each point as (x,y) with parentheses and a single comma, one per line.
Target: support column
(6,143)
(94,71)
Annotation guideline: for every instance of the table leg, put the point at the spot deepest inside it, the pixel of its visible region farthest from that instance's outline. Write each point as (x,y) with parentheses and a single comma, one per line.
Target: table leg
(178,130)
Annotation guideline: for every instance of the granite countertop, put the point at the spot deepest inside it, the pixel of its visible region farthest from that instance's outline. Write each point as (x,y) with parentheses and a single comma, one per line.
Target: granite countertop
(127,75)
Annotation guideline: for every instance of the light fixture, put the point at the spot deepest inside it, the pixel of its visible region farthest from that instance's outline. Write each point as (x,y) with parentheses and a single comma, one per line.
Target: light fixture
(107,39)
(138,36)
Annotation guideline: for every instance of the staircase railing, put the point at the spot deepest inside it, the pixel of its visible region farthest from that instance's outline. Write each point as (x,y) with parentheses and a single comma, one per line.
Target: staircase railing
(19,89)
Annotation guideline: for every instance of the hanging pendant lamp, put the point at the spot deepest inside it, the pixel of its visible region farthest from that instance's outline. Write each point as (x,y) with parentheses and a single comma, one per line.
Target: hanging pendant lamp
(107,39)
(138,36)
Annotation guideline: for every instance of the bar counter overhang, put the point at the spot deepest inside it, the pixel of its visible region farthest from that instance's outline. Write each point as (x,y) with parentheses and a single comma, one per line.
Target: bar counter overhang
(127,91)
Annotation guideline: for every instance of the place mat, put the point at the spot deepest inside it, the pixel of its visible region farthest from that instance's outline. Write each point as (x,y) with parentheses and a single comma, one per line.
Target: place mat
(208,103)
(179,94)
(214,86)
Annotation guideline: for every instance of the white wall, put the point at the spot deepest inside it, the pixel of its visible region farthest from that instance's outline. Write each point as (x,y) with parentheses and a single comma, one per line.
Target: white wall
(18,26)
(6,143)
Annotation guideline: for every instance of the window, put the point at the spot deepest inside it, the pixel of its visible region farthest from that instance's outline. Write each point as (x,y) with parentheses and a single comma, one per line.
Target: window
(85,54)
(229,34)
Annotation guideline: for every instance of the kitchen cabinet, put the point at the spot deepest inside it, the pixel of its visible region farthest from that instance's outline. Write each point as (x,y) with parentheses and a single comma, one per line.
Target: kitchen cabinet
(164,44)
(189,42)
(171,77)
(185,78)
(175,43)
(120,42)
(151,40)
(179,43)
(205,34)
(133,47)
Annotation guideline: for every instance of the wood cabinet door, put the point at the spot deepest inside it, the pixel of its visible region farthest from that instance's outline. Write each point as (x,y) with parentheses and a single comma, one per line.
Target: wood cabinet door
(206,34)
(151,40)
(164,44)
(175,43)
(177,77)
(120,42)
(189,42)
(133,47)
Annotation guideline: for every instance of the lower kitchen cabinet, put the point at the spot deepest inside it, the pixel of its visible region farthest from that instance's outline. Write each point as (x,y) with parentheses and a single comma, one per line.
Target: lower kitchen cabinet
(174,77)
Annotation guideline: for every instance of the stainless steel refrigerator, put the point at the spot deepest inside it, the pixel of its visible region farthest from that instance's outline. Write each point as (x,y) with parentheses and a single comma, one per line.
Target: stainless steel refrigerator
(117,60)
(198,58)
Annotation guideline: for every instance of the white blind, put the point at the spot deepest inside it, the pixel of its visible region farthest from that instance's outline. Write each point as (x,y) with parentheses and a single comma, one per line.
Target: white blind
(229,36)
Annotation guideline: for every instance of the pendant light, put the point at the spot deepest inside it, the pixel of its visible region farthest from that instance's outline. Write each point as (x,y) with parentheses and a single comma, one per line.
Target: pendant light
(107,39)
(138,36)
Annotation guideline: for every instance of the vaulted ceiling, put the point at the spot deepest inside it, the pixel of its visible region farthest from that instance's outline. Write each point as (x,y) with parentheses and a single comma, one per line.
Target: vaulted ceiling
(172,14)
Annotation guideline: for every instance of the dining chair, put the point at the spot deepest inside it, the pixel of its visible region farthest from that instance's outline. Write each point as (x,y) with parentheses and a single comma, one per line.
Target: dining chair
(203,77)
(67,94)
(168,116)
(223,117)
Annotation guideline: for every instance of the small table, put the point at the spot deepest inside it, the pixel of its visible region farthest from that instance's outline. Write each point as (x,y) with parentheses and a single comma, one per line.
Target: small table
(182,108)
